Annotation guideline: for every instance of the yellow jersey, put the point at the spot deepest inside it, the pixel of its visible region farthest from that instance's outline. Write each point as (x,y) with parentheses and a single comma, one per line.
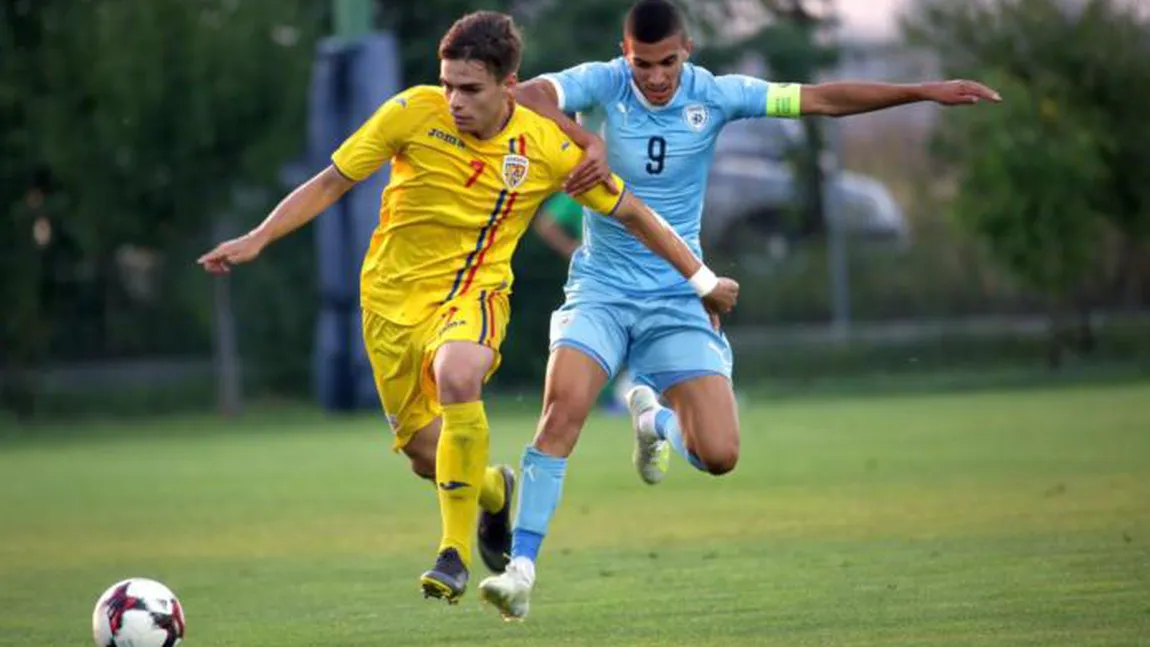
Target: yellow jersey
(456,206)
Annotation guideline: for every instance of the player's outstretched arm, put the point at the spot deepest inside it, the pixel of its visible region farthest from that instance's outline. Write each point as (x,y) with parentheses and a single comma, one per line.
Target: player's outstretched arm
(302,205)
(718,293)
(539,95)
(840,99)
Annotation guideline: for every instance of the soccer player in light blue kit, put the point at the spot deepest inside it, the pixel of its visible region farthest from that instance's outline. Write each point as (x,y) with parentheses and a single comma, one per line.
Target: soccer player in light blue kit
(625,305)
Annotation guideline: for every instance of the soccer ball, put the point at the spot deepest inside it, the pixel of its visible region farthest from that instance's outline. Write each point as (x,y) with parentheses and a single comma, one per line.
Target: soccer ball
(138,612)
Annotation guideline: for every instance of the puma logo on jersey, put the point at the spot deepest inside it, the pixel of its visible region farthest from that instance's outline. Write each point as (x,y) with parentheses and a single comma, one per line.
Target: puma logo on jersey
(723,353)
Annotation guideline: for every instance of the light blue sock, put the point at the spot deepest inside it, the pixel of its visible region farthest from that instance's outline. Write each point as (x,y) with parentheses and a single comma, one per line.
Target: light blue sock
(667,426)
(541,486)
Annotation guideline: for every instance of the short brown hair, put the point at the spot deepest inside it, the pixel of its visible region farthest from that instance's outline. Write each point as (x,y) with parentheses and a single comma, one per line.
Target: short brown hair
(489,37)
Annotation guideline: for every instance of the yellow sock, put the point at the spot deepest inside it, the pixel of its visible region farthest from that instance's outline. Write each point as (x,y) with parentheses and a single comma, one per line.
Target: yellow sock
(491,495)
(460,461)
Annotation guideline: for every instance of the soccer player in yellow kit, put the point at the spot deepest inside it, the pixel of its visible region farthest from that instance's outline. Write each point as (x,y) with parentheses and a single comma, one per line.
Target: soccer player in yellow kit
(469,169)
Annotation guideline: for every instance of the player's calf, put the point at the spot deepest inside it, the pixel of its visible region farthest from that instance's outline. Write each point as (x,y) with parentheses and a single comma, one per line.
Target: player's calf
(573,382)
(420,450)
(559,427)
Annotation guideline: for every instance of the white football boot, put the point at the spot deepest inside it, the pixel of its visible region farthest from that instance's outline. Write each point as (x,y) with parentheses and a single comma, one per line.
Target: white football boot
(652,454)
(510,591)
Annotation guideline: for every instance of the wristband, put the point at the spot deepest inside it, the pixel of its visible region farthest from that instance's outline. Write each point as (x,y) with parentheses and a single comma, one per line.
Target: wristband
(704,281)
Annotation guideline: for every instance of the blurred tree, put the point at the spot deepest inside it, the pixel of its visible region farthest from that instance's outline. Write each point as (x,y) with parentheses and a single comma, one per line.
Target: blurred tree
(139,122)
(1095,55)
(561,34)
(420,24)
(1026,194)
(24,226)
(186,103)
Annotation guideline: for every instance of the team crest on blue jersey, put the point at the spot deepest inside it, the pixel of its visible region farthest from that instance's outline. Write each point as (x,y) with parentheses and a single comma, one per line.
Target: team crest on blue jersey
(696,116)
(514,170)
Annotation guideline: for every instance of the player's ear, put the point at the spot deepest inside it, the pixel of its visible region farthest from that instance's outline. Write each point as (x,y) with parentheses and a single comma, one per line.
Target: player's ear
(623,47)
(688,48)
(511,80)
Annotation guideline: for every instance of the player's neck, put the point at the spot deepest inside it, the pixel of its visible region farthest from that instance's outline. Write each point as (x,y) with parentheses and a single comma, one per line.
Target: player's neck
(499,124)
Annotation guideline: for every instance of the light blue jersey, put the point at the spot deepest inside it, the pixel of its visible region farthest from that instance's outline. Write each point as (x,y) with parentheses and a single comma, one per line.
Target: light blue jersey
(663,153)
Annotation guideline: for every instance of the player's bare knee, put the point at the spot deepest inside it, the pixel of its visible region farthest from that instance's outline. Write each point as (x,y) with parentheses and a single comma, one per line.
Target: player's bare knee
(459,384)
(721,460)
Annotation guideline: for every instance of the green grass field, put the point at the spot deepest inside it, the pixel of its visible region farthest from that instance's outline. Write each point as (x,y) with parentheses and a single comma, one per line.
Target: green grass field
(1013,518)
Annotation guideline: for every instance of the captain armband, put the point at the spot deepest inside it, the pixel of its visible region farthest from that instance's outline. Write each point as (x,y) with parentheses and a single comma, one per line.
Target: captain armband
(784,99)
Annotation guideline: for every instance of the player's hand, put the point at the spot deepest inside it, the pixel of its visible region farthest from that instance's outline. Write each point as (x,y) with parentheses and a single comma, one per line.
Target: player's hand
(959,93)
(722,299)
(591,171)
(233,252)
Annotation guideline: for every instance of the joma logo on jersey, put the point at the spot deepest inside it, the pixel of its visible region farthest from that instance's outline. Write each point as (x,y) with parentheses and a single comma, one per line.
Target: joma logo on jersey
(447,137)
(449,321)
(515,170)
(452,324)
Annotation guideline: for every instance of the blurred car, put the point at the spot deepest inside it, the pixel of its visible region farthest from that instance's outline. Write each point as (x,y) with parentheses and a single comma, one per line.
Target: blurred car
(752,195)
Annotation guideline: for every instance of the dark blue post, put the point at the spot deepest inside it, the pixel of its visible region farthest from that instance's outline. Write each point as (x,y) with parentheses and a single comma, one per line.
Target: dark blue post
(350,79)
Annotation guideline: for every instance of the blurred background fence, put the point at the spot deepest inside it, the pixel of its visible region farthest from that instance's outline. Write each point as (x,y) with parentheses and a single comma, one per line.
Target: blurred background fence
(916,241)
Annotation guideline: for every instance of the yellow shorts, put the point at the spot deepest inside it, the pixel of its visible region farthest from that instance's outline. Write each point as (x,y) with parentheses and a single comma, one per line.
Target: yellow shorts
(402,356)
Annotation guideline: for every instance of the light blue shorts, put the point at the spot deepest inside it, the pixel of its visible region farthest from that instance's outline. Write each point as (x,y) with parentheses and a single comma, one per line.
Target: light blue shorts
(663,340)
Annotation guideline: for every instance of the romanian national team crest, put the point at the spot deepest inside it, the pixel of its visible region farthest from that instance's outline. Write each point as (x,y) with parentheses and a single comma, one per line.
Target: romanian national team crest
(514,170)
(696,117)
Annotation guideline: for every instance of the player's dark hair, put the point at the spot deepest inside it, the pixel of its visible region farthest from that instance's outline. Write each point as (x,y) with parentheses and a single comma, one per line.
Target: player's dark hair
(650,21)
(489,37)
